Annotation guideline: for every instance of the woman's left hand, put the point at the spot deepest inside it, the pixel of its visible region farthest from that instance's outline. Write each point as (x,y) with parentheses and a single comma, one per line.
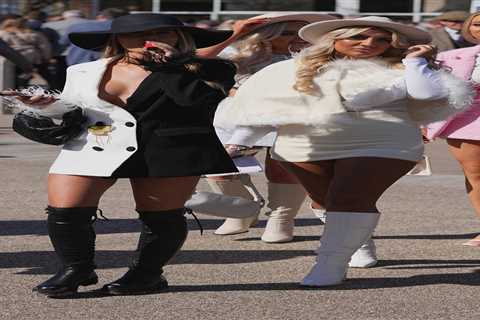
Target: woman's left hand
(159,52)
(421,51)
(243,27)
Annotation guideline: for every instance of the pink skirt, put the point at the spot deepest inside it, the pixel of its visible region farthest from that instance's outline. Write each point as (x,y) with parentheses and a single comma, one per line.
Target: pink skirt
(464,126)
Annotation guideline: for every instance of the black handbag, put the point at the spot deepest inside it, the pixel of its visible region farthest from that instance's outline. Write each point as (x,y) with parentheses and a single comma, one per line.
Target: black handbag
(44,130)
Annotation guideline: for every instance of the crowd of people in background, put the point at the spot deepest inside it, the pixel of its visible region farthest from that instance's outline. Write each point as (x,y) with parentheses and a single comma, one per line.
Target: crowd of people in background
(44,42)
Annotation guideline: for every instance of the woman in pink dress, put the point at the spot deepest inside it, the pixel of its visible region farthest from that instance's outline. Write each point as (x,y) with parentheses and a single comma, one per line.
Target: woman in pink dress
(462,131)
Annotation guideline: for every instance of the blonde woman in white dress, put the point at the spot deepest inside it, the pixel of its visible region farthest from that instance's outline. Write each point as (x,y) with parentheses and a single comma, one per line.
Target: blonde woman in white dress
(347,112)
(274,38)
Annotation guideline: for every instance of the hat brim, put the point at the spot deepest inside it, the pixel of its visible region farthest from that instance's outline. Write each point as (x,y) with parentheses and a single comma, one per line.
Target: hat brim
(312,32)
(274,17)
(97,40)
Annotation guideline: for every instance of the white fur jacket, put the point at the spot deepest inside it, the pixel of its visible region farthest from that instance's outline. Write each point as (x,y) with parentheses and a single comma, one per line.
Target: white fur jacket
(268,97)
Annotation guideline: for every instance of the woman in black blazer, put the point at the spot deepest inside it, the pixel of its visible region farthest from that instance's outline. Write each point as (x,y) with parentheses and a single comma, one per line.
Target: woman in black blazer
(150,104)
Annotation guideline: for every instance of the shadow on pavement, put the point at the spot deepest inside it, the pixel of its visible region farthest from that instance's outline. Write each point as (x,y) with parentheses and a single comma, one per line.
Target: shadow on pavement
(295,239)
(40,262)
(39,227)
(426,264)
(429,236)
(469,278)
(466,279)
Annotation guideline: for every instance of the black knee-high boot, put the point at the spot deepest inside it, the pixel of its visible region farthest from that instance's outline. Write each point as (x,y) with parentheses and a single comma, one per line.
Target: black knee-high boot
(73,238)
(163,234)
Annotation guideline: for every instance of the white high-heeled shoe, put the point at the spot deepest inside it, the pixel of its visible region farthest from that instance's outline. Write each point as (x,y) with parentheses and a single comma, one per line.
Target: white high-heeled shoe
(343,234)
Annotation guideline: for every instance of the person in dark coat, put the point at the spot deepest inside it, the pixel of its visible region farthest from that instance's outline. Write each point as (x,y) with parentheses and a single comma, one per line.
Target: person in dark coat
(448,35)
(15,57)
(150,104)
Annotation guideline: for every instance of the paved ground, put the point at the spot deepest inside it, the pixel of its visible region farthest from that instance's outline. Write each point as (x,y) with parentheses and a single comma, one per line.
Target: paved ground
(424,272)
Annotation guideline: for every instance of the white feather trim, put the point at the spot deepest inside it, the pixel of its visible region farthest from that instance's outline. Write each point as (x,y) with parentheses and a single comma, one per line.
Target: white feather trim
(268,97)
(54,110)
(461,95)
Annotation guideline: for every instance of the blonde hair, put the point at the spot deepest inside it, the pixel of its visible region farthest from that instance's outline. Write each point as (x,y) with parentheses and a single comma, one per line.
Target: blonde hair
(15,24)
(466,34)
(256,48)
(312,61)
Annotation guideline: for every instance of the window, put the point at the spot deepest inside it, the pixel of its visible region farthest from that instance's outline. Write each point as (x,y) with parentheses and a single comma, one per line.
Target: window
(186,5)
(278,5)
(384,6)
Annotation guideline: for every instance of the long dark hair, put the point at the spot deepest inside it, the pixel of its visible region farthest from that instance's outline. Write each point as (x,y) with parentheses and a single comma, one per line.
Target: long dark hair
(184,59)
(185,46)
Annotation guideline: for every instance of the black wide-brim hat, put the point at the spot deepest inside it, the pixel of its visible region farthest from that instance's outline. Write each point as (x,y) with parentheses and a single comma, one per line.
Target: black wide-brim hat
(138,22)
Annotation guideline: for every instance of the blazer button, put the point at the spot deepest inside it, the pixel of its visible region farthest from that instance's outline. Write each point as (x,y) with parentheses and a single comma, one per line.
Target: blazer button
(97,148)
(129,124)
(131,149)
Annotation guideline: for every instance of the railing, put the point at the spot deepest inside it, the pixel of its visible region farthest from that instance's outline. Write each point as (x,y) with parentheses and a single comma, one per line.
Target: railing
(214,15)
(217,11)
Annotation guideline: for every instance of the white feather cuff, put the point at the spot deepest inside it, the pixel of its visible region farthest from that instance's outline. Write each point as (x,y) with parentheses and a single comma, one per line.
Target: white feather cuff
(461,95)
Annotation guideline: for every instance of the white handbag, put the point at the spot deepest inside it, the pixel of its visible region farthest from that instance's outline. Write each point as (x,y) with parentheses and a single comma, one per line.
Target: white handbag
(220,205)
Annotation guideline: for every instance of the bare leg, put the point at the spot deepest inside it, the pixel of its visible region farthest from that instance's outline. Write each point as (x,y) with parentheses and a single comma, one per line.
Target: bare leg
(314,176)
(276,173)
(156,194)
(160,205)
(73,202)
(66,191)
(467,153)
(350,194)
(358,183)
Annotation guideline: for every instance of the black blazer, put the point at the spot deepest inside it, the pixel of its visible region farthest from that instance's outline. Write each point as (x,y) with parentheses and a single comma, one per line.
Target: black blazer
(174,108)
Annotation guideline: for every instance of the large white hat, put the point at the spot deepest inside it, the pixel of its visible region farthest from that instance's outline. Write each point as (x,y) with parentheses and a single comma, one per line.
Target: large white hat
(312,32)
(274,17)
(277,17)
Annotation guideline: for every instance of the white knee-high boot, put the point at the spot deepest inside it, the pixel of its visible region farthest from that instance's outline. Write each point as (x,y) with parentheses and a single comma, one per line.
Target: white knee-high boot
(343,234)
(284,201)
(233,188)
(364,257)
